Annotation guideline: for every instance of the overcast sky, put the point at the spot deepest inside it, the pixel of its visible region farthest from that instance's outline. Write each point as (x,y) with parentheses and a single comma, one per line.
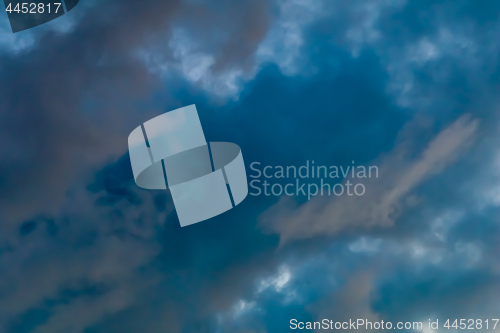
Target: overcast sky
(411,87)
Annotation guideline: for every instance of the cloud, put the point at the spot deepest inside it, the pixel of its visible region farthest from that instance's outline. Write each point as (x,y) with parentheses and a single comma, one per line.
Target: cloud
(353,301)
(84,265)
(51,136)
(68,102)
(213,48)
(379,207)
(289,81)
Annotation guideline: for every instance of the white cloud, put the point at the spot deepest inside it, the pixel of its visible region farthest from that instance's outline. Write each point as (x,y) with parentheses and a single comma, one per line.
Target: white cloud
(277,282)
(365,245)
(402,64)
(469,253)
(284,42)
(14,43)
(282,45)
(441,224)
(242,306)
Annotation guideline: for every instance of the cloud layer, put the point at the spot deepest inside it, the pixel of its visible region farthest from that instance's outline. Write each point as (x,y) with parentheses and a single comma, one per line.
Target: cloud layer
(411,88)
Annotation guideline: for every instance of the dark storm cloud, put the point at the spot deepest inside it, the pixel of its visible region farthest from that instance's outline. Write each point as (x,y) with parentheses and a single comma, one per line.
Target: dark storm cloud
(68,102)
(111,257)
(67,105)
(46,137)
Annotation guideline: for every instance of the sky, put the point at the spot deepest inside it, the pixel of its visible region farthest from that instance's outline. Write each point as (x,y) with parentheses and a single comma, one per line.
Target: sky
(409,87)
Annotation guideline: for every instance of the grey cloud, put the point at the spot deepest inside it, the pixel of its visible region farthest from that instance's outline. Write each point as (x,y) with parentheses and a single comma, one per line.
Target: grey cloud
(54,130)
(89,269)
(48,137)
(67,104)
(350,303)
(101,269)
(384,197)
(213,47)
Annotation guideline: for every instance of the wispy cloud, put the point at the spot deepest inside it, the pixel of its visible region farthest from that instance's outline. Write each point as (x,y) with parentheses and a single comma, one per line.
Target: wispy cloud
(384,198)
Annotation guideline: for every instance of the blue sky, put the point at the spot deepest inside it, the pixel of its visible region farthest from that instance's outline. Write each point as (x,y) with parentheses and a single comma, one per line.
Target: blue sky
(411,87)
